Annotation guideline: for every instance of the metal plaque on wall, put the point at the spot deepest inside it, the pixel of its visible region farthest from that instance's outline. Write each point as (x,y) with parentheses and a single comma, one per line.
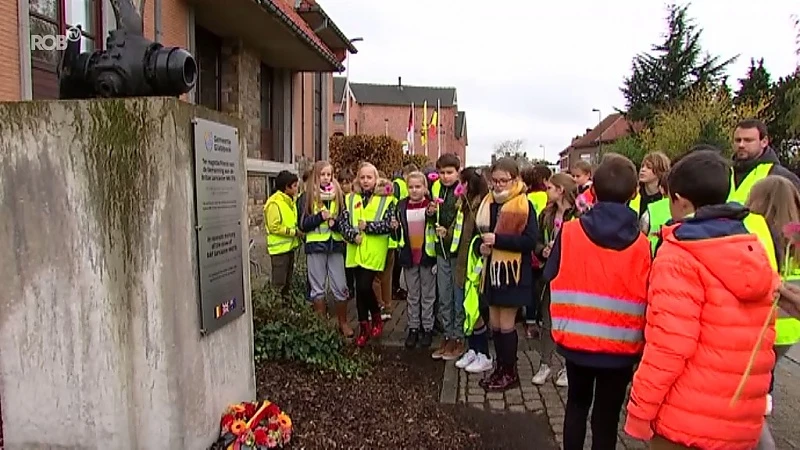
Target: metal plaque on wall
(218,210)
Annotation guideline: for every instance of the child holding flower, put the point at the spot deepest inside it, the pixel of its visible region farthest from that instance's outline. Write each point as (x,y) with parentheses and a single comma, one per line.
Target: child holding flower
(562,191)
(321,207)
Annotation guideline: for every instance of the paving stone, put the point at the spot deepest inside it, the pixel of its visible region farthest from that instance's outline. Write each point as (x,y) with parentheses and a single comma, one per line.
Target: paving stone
(497,404)
(475,399)
(516,408)
(534,406)
(477,405)
(476,390)
(557,423)
(494,395)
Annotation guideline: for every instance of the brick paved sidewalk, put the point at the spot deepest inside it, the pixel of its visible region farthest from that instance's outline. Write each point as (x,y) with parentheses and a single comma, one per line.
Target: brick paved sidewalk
(461,388)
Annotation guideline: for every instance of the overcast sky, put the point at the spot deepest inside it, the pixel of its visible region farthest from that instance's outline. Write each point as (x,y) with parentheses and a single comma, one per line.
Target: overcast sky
(535,70)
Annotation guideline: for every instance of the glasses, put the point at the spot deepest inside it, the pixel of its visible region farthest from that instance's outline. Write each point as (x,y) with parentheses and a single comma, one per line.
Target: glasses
(501,181)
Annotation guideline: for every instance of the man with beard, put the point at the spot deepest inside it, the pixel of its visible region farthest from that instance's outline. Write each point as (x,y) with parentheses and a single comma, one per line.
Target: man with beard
(754,159)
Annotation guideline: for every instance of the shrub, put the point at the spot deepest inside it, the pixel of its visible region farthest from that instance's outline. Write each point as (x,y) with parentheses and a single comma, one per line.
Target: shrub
(628,146)
(421,161)
(706,116)
(289,330)
(384,152)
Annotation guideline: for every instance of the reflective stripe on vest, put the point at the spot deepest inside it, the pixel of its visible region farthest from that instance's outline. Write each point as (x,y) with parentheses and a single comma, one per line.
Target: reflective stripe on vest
(457,226)
(472,289)
(279,244)
(740,194)
(755,224)
(371,254)
(402,187)
(609,317)
(658,214)
(539,201)
(636,203)
(323,232)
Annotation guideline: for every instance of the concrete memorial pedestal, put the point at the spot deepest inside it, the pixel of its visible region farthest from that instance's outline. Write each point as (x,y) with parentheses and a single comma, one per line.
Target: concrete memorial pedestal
(125,319)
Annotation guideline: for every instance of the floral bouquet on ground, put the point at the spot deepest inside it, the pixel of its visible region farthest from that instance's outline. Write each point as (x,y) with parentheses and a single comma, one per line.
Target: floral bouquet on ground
(253,426)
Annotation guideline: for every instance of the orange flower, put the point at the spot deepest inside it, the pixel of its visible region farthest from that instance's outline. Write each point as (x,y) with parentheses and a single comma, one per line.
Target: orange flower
(284,421)
(238,427)
(237,408)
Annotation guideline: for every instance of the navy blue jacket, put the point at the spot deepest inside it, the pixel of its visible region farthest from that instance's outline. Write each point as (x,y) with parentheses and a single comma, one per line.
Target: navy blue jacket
(310,222)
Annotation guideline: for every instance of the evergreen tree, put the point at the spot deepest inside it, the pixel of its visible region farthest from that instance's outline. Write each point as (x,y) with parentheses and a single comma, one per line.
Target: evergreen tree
(756,85)
(673,68)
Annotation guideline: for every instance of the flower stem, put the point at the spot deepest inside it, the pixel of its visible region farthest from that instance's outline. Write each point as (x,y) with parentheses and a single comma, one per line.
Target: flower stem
(753,353)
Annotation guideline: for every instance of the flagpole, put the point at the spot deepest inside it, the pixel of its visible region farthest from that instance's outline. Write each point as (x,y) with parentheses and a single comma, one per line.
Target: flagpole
(413,130)
(425,125)
(438,127)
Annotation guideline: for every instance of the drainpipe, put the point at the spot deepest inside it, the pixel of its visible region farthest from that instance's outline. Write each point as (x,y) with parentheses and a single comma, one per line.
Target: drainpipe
(303,113)
(156,20)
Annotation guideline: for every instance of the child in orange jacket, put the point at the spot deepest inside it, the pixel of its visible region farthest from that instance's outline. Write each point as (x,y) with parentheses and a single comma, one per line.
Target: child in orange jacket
(711,289)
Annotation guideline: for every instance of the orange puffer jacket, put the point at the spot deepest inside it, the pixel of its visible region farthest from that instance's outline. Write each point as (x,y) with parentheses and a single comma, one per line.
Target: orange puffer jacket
(707,301)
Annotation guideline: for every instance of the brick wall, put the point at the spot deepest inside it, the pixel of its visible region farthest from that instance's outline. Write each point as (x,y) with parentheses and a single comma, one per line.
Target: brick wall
(9,52)
(372,119)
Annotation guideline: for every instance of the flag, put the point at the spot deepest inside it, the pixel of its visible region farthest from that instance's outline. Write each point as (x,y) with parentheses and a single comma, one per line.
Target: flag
(433,124)
(424,130)
(410,129)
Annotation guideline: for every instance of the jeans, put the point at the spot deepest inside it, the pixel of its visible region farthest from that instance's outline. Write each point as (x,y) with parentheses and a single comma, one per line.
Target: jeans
(451,310)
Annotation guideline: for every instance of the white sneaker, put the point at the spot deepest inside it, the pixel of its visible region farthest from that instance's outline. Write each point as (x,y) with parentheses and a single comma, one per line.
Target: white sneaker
(562,378)
(541,376)
(482,363)
(466,359)
(769,405)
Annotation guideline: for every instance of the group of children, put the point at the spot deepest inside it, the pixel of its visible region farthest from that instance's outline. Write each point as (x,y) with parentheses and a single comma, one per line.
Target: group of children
(653,278)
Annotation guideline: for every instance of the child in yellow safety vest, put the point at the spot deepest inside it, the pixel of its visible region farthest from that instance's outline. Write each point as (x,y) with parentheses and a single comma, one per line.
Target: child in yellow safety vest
(283,234)
(776,199)
(467,273)
(345,179)
(562,193)
(536,179)
(366,225)
(383,282)
(320,208)
(654,166)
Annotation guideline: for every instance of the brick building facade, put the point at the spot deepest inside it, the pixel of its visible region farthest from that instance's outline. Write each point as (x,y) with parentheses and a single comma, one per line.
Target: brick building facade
(384,109)
(589,146)
(269,63)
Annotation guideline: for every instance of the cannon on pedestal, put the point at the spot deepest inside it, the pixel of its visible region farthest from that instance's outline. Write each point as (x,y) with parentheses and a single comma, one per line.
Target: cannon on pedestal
(131,65)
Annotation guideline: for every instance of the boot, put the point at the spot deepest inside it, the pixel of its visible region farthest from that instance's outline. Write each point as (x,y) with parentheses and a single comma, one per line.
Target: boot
(508,379)
(341,317)
(485,382)
(377,325)
(364,330)
(321,308)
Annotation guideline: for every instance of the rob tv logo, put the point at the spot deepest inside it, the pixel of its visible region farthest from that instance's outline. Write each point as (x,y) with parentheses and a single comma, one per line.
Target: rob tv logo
(50,42)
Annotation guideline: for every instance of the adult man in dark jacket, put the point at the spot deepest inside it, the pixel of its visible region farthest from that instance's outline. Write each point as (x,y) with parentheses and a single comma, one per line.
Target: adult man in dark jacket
(754,159)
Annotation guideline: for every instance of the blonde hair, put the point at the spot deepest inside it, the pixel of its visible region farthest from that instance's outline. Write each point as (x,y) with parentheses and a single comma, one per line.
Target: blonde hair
(570,188)
(362,166)
(417,175)
(313,187)
(658,162)
(778,200)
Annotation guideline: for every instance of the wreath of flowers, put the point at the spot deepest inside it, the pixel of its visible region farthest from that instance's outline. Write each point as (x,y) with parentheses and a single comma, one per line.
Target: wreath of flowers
(254,426)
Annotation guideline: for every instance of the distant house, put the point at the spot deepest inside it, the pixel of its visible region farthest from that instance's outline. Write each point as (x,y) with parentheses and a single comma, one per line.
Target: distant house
(384,109)
(588,146)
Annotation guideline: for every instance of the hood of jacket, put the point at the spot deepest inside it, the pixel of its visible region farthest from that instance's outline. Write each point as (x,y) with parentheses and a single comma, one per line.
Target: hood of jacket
(611,225)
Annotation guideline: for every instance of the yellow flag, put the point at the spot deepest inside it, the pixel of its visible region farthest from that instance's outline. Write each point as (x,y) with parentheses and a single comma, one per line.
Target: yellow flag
(424,131)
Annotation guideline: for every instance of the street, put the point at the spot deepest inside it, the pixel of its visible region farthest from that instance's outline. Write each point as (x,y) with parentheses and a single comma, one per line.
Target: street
(784,423)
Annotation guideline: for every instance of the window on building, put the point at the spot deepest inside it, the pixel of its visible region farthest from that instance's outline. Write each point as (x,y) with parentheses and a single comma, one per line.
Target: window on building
(267,88)
(208,53)
(317,115)
(338,117)
(53,18)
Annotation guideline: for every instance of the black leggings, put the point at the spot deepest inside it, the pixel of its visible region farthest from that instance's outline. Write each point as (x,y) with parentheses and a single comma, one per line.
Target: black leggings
(605,388)
(366,302)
